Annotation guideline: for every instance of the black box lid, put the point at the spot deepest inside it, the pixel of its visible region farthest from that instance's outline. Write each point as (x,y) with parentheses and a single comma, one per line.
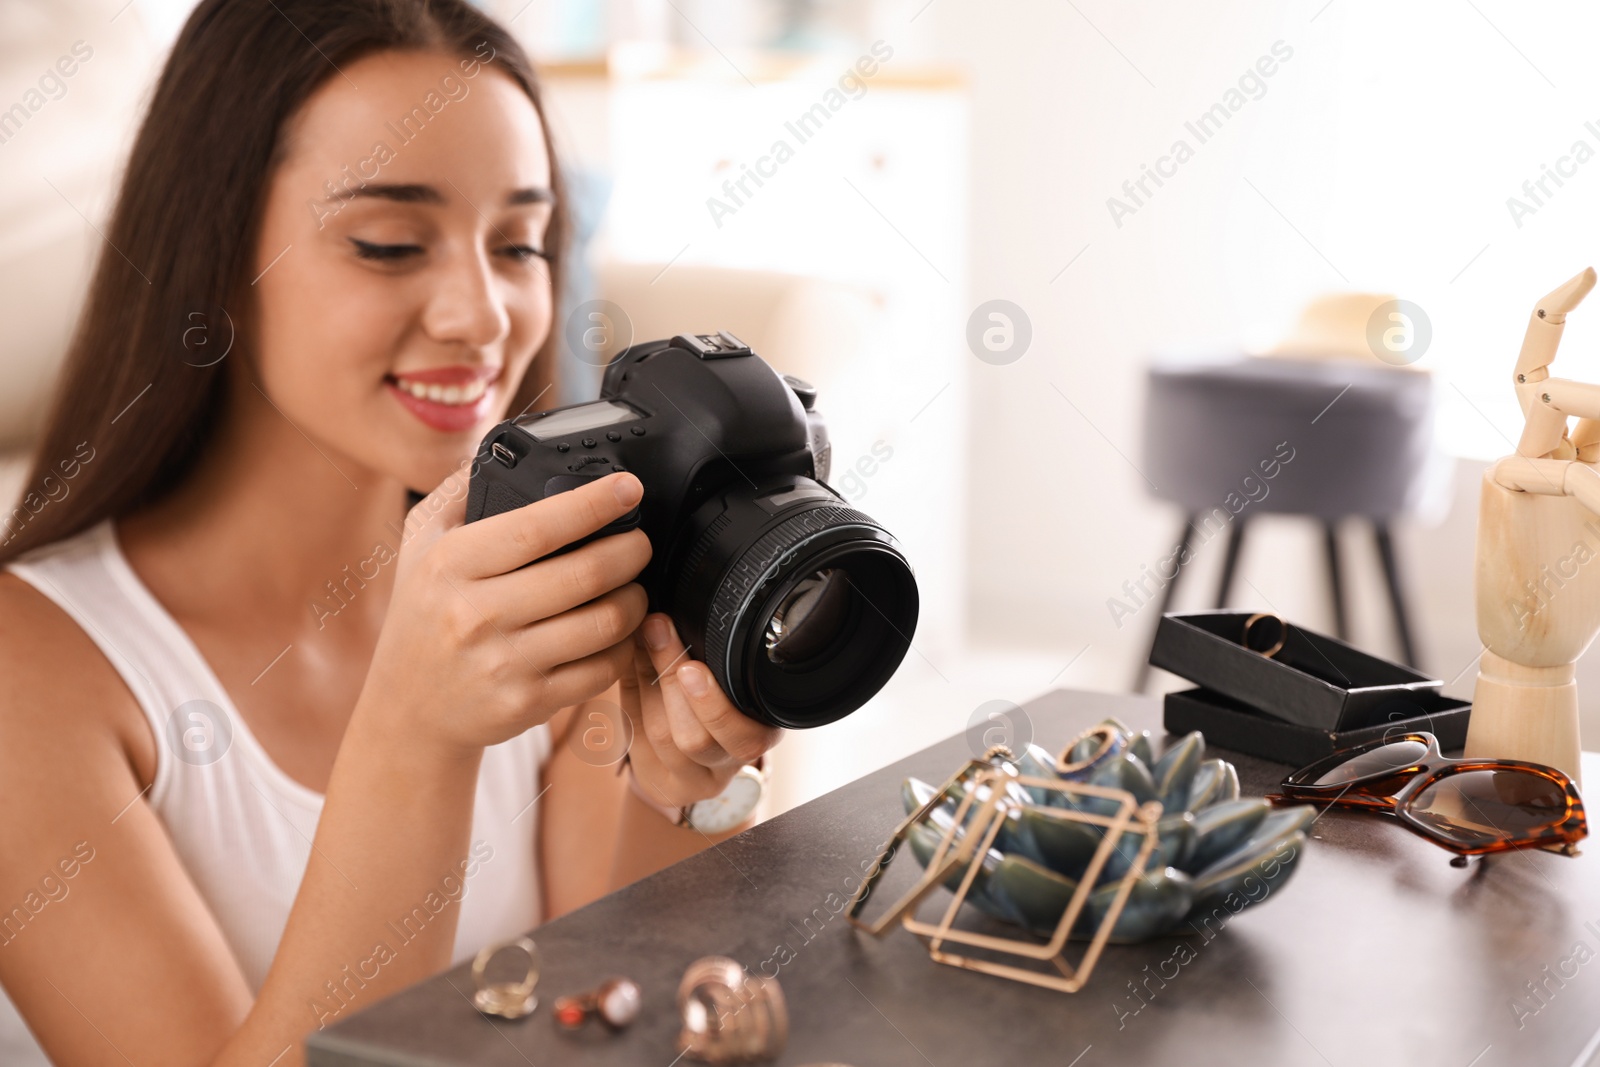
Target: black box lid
(1314,680)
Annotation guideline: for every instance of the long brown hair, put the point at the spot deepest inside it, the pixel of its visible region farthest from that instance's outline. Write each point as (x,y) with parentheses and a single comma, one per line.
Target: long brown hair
(135,387)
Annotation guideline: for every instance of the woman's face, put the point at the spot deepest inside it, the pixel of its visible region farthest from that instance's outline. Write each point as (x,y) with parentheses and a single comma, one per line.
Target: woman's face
(399,291)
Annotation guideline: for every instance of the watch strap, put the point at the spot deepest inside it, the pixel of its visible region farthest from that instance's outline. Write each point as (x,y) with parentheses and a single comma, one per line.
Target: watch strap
(677,816)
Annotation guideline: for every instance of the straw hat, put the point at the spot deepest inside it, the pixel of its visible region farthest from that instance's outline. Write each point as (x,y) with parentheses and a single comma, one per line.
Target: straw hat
(1365,327)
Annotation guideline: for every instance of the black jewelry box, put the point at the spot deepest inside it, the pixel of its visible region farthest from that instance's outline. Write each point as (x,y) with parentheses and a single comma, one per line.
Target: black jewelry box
(1313,681)
(1231,725)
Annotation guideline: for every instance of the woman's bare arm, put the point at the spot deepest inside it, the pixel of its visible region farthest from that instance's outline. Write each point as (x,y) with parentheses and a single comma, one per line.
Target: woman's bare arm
(684,745)
(127,963)
(121,960)
(131,967)
(595,836)
(578,812)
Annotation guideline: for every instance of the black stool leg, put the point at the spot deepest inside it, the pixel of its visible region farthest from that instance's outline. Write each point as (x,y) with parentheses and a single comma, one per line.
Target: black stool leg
(1330,541)
(1397,600)
(1230,562)
(1185,544)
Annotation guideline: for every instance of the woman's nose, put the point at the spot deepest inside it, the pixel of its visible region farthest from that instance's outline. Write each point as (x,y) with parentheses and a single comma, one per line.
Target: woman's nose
(466,307)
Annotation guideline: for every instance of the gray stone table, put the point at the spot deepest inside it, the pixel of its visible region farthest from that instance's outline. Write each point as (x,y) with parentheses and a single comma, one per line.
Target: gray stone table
(1376,951)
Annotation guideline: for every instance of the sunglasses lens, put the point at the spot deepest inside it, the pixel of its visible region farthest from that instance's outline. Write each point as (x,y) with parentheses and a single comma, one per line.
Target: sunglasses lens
(1377,762)
(1484,806)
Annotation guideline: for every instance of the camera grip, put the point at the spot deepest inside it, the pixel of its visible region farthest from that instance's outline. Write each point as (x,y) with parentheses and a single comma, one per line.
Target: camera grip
(565,483)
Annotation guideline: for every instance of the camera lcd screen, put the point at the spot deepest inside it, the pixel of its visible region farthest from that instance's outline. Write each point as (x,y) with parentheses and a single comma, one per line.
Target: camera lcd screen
(573,420)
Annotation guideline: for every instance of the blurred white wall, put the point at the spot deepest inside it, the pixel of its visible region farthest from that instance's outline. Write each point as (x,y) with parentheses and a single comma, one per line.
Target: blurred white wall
(1380,154)
(72,78)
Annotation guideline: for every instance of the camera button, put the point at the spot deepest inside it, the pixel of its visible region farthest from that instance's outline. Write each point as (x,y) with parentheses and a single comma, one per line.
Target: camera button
(612,435)
(563,447)
(637,431)
(589,442)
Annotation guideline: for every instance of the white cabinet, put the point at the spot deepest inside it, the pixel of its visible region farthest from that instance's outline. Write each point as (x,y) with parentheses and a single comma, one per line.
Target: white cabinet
(872,197)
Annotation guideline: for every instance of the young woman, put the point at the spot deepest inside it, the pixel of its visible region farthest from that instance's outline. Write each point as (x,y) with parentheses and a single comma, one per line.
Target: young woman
(272,747)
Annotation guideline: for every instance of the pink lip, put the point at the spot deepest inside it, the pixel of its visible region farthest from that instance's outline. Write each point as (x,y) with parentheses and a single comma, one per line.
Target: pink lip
(459,374)
(447,418)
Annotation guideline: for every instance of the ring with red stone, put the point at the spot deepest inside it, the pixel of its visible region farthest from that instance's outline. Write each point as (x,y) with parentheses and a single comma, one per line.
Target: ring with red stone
(615,1002)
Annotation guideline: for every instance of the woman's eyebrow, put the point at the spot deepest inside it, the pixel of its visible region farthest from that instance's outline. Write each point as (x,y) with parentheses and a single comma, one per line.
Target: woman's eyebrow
(536,194)
(402,194)
(427,194)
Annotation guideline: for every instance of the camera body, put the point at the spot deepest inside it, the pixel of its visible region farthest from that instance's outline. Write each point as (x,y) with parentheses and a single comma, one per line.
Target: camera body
(798,603)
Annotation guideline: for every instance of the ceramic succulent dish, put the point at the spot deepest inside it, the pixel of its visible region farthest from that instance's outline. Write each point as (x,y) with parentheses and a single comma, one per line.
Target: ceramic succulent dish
(1214,851)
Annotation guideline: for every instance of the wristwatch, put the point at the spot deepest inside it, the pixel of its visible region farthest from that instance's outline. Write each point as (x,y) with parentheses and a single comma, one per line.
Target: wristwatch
(715,814)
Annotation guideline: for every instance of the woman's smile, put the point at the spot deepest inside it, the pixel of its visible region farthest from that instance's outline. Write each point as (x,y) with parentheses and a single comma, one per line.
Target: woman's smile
(448,399)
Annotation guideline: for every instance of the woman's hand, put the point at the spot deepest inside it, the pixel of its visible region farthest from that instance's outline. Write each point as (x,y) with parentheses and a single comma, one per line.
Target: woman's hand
(688,738)
(478,647)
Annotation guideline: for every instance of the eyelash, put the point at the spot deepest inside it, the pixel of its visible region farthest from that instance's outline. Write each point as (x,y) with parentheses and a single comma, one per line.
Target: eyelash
(368,250)
(391,253)
(523,253)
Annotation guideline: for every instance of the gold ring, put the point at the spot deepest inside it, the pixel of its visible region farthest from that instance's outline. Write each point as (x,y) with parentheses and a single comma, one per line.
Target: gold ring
(508,1000)
(730,1016)
(1108,737)
(1283,632)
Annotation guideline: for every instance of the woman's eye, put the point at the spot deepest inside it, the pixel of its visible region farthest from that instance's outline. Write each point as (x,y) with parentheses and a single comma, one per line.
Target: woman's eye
(369,250)
(523,253)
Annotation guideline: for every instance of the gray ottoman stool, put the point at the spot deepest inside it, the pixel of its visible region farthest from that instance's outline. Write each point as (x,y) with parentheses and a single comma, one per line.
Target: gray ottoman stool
(1329,439)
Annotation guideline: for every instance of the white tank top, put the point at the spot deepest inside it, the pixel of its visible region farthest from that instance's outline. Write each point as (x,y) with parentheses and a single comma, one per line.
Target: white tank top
(241,826)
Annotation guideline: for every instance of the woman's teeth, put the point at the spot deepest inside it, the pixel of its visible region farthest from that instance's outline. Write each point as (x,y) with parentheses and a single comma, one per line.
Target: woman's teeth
(445,394)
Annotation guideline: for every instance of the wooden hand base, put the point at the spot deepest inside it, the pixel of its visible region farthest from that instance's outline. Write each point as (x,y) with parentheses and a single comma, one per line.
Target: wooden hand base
(1526,713)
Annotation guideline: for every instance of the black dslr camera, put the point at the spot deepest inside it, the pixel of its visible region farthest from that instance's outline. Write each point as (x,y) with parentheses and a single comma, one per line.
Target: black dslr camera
(801,606)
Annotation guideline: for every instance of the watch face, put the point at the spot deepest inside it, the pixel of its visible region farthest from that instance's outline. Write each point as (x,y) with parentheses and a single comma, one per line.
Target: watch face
(730,807)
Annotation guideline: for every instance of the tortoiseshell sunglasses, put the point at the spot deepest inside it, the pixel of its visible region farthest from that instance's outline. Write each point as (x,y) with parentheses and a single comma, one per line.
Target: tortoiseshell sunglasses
(1469,806)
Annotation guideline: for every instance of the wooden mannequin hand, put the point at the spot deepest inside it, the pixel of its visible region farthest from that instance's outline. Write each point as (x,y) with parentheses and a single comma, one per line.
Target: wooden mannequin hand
(1538,583)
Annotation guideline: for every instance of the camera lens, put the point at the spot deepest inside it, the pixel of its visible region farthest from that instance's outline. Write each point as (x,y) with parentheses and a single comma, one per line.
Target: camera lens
(802,607)
(808,617)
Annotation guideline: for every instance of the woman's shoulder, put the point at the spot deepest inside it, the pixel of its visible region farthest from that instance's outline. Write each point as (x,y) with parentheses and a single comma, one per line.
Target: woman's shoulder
(60,690)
